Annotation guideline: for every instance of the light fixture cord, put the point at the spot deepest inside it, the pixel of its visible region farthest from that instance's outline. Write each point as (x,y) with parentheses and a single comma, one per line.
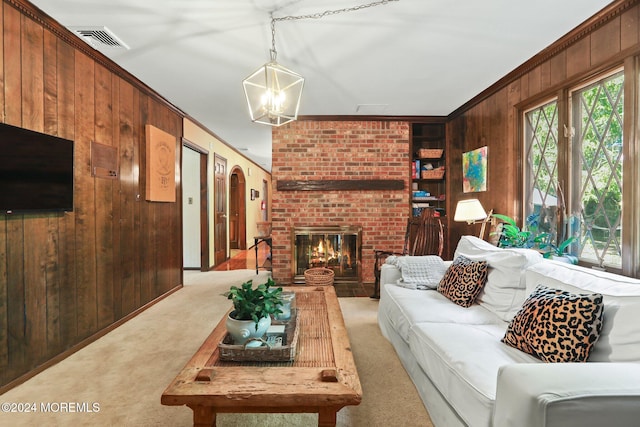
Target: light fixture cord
(318,15)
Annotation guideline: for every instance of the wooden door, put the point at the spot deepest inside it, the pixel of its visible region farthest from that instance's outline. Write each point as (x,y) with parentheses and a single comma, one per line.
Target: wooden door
(234,213)
(220,197)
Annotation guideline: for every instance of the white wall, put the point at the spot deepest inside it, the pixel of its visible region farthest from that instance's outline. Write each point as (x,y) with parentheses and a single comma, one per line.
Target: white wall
(191,208)
(202,137)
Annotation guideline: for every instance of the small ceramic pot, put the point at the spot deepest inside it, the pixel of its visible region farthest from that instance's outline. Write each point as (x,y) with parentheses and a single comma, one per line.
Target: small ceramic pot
(244,330)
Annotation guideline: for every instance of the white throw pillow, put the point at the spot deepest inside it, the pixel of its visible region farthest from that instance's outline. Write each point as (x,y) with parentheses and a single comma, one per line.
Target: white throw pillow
(620,336)
(504,292)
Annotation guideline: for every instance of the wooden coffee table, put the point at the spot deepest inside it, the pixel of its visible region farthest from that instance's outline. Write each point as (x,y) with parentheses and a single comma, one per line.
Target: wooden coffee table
(322,379)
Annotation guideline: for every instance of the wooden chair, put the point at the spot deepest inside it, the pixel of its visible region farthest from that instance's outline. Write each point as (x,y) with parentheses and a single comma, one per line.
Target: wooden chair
(424,236)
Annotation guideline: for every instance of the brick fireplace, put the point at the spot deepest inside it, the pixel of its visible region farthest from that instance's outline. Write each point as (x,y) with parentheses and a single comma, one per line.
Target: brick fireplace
(329,173)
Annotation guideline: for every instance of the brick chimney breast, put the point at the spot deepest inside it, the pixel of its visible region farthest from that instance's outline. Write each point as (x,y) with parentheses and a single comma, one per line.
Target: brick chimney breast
(317,150)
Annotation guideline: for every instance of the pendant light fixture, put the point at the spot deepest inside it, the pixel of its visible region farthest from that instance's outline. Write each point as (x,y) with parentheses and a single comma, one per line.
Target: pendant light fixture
(274,92)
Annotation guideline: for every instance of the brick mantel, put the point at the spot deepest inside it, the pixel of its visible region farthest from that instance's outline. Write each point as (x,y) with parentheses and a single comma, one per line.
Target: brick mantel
(347,152)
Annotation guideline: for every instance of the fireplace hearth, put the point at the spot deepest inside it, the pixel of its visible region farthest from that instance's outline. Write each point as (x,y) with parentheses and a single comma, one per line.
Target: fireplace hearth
(334,247)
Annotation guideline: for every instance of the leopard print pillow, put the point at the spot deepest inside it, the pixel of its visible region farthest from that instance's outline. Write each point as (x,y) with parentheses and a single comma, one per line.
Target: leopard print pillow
(557,326)
(463,280)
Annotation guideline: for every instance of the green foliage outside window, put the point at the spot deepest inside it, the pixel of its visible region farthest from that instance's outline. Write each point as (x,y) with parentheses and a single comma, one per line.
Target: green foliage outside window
(598,111)
(596,164)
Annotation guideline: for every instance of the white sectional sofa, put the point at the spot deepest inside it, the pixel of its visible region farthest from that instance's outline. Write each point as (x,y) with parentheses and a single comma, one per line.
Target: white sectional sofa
(467,376)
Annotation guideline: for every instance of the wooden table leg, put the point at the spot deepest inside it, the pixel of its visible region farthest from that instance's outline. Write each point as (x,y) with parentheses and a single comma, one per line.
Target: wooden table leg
(327,417)
(203,416)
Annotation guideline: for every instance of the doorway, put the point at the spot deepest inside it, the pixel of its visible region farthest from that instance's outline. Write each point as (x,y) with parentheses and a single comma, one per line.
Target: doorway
(237,210)
(195,222)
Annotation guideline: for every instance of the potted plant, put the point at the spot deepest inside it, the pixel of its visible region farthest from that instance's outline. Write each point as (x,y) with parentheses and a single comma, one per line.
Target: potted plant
(558,252)
(512,236)
(252,310)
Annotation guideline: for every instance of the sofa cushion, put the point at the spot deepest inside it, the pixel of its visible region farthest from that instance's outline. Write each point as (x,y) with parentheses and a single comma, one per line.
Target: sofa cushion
(556,326)
(463,361)
(620,336)
(403,308)
(504,291)
(463,281)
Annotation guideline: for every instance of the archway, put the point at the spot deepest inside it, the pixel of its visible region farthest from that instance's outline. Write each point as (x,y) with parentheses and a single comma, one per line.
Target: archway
(237,210)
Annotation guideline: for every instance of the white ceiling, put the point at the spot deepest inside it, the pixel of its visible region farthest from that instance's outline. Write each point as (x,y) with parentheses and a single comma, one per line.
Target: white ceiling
(407,57)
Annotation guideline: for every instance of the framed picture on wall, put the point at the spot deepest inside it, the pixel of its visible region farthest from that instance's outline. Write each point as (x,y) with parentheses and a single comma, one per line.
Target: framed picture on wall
(474,170)
(254,194)
(161,165)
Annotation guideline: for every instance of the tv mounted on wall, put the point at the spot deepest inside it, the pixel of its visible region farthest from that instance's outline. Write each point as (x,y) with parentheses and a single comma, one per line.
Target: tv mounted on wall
(36,171)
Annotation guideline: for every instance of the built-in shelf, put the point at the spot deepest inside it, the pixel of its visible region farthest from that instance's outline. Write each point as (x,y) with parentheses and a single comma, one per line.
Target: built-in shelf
(428,150)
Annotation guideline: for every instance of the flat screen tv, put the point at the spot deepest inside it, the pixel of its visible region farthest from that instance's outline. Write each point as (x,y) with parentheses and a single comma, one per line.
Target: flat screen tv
(36,171)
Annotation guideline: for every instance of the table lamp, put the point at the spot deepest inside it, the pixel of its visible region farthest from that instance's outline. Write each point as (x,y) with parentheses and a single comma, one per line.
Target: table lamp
(470,211)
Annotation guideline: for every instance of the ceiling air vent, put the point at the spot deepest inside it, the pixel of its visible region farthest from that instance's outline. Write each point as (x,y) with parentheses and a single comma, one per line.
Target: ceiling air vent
(99,37)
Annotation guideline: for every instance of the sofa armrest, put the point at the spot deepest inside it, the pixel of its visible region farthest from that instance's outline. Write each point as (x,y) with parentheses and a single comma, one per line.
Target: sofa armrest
(389,274)
(567,395)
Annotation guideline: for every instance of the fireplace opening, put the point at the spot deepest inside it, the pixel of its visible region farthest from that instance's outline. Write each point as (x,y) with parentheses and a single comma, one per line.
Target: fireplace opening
(334,247)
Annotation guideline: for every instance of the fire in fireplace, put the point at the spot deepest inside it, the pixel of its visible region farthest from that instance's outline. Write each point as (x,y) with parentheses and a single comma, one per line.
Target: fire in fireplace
(334,247)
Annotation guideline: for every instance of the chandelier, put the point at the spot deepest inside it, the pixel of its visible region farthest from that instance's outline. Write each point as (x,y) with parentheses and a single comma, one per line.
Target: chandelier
(273,92)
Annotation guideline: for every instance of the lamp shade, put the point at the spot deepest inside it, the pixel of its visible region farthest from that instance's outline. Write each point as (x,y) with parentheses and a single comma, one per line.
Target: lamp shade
(273,94)
(469,210)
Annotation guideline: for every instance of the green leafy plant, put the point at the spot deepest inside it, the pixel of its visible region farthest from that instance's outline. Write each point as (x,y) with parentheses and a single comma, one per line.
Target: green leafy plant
(512,236)
(254,303)
(550,249)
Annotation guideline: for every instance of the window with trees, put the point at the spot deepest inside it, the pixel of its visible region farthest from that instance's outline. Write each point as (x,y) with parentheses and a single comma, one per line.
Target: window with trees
(596,169)
(573,184)
(541,179)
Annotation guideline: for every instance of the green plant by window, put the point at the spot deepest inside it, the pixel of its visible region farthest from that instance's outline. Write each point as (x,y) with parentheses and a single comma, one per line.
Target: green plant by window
(549,249)
(512,236)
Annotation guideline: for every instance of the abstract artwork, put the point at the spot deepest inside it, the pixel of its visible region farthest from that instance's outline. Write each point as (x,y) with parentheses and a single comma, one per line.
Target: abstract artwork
(474,170)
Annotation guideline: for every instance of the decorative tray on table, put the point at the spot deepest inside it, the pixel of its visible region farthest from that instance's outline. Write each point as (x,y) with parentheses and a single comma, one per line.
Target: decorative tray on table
(279,346)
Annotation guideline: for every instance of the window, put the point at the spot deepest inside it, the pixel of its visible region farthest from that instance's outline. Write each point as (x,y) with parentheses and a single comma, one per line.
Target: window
(582,195)
(597,116)
(541,180)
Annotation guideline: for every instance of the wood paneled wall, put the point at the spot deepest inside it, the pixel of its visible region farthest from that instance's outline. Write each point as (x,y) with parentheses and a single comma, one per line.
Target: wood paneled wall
(65,277)
(606,40)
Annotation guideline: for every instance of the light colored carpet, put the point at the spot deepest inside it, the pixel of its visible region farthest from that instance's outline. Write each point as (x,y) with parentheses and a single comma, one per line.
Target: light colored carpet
(126,371)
